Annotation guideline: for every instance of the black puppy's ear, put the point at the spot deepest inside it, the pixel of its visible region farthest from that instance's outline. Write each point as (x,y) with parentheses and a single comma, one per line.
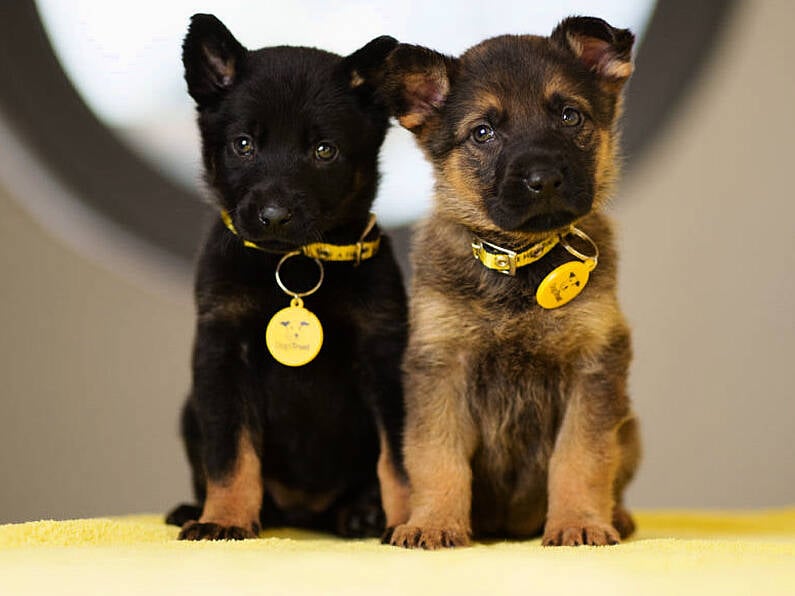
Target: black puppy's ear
(603,49)
(365,67)
(212,57)
(416,84)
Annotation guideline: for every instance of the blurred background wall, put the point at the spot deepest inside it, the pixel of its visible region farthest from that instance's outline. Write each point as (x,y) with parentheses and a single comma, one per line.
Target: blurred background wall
(94,360)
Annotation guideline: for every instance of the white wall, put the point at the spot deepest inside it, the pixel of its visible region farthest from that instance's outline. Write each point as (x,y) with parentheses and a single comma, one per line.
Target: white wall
(708,279)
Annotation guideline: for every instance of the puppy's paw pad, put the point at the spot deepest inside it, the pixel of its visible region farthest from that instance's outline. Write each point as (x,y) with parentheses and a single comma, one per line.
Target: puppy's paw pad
(428,538)
(589,534)
(194,530)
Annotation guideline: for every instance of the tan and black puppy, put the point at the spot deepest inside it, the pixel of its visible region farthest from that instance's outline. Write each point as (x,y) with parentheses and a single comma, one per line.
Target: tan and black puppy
(518,420)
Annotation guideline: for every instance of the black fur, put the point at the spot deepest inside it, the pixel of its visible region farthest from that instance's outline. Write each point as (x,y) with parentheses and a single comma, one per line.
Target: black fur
(316,427)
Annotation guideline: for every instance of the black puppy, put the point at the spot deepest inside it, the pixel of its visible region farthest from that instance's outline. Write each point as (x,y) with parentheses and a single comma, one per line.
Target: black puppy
(290,141)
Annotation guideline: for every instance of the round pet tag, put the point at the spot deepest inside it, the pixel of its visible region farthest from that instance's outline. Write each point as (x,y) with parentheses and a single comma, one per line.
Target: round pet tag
(294,335)
(564,283)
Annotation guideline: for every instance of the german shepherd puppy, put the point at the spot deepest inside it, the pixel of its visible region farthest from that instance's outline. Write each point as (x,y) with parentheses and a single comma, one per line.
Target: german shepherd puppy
(518,421)
(290,141)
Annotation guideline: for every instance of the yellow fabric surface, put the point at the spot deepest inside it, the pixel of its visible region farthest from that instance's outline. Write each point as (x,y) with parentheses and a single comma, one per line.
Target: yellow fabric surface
(675,552)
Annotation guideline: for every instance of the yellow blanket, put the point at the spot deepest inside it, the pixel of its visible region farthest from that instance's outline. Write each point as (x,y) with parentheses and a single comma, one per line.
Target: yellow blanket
(673,553)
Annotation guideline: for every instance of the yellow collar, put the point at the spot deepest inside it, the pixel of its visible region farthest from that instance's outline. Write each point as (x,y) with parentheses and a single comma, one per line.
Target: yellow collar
(327,252)
(507,261)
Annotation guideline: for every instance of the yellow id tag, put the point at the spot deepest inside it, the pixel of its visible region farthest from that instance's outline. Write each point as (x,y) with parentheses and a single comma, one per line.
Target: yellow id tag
(294,335)
(564,283)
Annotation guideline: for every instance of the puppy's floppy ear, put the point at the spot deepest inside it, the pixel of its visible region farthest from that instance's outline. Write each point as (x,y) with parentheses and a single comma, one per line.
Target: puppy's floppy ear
(365,67)
(212,57)
(416,84)
(603,49)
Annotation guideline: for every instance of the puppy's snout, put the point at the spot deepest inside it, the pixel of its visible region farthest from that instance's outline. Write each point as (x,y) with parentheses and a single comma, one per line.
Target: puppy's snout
(275,215)
(544,181)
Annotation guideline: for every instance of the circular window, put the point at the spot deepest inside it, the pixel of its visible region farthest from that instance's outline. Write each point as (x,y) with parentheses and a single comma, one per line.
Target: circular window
(95,91)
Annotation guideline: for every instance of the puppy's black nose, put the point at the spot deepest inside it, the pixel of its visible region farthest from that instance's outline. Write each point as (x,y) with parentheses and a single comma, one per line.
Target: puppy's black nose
(275,215)
(544,181)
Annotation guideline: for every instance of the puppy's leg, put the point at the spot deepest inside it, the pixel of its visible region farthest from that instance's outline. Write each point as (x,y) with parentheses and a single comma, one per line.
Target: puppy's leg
(629,441)
(231,466)
(394,485)
(587,457)
(440,439)
(380,353)
(231,510)
(390,418)
(191,437)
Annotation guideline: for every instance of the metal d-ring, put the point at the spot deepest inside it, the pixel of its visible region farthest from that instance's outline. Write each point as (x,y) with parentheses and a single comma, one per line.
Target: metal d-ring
(285,289)
(580,234)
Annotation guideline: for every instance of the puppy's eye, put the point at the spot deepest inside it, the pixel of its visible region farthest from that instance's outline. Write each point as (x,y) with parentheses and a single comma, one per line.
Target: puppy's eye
(482,133)
(243,146)
(325,151)
(571,117)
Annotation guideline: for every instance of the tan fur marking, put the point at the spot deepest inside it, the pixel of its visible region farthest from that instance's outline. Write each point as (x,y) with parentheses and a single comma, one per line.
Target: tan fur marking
(425,92)
(289,498)
(606,170)
(575,43)
(558,85)
(411,121)
(608,66)
(236,501)
(356,80)
(394,490)
(483,103)
(226,69)
(582,473)
(464,192)
(618,69)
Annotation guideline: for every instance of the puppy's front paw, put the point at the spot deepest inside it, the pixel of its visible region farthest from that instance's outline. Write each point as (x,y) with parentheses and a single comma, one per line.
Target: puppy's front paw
(409,536)
(578,534)
(194,530)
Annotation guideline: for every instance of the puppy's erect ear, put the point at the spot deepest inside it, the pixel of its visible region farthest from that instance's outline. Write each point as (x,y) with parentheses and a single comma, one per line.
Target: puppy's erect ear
(212,57)
(603,49)
(365,67)
(416,84)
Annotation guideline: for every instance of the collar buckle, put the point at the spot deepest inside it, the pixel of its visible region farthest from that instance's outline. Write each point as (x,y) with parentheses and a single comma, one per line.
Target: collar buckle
(503,261)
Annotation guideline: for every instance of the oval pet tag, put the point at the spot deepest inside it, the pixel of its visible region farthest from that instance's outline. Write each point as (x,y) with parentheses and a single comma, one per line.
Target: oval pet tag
(564,283)
(294,335)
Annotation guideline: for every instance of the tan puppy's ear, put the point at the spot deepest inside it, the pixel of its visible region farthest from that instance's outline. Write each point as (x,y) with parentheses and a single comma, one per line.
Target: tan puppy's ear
(365,67)
(416,83)
(604,50)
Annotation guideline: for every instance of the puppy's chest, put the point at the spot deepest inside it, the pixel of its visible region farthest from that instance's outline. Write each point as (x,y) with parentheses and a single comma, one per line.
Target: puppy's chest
(519,371)
(516,396)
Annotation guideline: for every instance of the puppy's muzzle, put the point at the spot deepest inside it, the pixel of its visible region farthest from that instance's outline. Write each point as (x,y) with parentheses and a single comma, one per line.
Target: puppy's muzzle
(537,194)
